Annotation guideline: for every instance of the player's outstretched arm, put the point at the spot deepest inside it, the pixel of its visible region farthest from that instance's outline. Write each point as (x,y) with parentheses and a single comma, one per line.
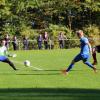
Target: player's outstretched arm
(90,49)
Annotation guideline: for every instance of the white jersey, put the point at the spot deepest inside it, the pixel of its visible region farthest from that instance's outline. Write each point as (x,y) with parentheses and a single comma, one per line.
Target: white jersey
(3,51)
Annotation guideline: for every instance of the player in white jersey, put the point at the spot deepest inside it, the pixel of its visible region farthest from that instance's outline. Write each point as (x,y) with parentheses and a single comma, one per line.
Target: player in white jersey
(4,55)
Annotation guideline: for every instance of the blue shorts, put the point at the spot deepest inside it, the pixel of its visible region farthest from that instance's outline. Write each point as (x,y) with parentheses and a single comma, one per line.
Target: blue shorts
(3,58)
(83,57)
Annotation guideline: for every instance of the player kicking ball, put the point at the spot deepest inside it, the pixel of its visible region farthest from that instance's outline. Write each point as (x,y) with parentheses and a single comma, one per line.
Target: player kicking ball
(84,54)
(4,54)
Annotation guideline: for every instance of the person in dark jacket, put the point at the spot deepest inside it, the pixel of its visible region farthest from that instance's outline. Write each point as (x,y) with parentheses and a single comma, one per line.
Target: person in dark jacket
(39,41)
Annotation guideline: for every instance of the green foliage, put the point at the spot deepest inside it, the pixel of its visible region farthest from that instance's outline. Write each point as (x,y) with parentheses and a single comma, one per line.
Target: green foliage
(17,16)
(2,2)
(94,32)
(92,5)
(55,29)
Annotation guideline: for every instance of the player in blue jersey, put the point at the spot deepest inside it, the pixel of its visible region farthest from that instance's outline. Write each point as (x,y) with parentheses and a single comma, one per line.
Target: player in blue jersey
(4,54)
(84,54)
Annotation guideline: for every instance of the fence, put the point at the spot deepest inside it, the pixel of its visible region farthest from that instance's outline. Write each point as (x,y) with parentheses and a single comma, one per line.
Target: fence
(51,44)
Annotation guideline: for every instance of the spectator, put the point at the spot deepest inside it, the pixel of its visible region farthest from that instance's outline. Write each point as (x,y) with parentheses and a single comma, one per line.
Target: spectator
(7,40)
(46,38)
(51,43)
(15,43)
(39,41)
(61,40)
(25,43)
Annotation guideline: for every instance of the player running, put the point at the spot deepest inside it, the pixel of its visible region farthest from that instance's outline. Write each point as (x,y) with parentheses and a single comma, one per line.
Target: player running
(84,54)
(4,54)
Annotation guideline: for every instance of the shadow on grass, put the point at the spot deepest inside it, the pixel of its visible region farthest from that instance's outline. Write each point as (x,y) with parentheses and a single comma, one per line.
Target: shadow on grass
(49,72)
(49,94)
(40,74)
(46,72)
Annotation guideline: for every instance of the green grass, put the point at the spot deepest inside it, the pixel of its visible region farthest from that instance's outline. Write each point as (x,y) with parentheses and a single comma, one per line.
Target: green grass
(28,83)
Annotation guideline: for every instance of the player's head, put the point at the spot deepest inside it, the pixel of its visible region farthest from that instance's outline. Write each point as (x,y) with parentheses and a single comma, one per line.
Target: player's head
(3,42)
(80,33)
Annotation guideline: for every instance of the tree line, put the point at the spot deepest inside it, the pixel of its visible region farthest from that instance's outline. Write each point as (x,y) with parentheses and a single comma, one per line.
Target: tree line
(31,17)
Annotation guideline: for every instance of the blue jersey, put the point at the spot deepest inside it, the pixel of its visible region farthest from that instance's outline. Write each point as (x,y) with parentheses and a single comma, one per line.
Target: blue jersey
(84,46)
(3,53)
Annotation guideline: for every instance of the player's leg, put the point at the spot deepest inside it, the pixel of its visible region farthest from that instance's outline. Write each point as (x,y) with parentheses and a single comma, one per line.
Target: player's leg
(85,61)
(91,66)
(76,59)
(10,63)
(94,56)
(70,66)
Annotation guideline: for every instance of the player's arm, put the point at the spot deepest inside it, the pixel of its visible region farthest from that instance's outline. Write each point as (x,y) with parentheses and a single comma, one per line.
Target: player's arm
(89,45)
(90,49)
(10,55)
(7,53)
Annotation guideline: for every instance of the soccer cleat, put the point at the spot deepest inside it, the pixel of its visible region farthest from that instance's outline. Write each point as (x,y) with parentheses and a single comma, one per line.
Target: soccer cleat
(95,70)
(64,72)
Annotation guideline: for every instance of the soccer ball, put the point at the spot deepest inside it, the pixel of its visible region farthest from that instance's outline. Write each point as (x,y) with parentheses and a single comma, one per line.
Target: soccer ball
(27,63)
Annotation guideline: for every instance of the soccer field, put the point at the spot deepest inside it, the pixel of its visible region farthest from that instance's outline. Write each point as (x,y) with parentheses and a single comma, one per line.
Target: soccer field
(44,80)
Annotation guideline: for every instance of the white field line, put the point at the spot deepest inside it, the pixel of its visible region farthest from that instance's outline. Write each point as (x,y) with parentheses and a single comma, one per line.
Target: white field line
(28,67)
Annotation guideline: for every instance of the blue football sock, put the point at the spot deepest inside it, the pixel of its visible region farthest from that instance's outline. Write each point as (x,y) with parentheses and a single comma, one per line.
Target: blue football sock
(89,64)
(70,67)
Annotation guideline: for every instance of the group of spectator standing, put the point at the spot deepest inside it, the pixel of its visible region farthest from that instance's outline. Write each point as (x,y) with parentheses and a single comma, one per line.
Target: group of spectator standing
(44,41)
(14,42)
(61,39)
(44,38)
